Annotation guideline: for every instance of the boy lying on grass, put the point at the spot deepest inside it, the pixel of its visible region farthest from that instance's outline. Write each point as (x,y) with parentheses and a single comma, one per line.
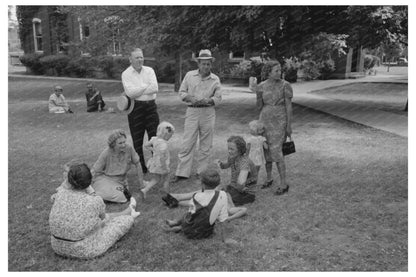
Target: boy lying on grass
(207,207)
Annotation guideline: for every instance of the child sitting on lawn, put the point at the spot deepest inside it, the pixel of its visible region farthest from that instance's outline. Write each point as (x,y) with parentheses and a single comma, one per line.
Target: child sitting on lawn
(207,207)
(256,143)
(158,165)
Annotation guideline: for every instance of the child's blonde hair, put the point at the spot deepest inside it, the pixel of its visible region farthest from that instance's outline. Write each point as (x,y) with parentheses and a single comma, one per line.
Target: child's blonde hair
(164,128)
(257,127)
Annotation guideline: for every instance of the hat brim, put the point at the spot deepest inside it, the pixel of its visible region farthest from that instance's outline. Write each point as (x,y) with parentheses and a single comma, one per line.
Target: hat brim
(129,109)
(205,58)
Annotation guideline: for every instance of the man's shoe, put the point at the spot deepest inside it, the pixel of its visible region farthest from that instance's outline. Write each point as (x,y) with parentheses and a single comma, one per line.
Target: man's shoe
(178,178)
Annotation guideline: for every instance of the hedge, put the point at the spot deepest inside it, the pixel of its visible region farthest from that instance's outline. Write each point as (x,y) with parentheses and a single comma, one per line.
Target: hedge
(101,67)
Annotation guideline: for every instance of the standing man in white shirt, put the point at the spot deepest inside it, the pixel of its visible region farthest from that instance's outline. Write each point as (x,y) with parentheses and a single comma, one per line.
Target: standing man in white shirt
(201,91)
(140,85)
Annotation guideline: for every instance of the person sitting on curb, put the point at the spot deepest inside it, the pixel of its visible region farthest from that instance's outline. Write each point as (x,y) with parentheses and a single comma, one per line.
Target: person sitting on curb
(206,208)
(57,102)
(95,101)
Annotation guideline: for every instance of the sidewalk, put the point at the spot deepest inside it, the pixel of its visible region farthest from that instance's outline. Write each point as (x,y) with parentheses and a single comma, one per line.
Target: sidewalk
(386,121)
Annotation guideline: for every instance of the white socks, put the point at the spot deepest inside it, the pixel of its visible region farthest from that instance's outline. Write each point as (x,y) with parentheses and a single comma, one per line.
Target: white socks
(132,206)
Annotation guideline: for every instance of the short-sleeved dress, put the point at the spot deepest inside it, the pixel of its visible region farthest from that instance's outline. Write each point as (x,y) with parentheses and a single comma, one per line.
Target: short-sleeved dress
(111,173)
(274,117)
(160,161)
(256,149)
(79,226)
(241,196)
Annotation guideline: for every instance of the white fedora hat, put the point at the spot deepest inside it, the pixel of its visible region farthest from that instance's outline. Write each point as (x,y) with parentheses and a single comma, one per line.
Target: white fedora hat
(205,54)
(125,104)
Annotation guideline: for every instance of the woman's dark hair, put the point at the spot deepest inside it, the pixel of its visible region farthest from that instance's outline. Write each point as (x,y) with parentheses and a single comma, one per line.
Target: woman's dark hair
(210,178)
(239,142)
(79,176)
(267,68)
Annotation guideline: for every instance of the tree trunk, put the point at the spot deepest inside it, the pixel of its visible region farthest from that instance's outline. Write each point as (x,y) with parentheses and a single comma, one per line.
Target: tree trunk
(178,68)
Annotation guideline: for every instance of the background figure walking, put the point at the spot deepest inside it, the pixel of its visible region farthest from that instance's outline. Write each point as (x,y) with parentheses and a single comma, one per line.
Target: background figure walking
(140,85)
(201,91)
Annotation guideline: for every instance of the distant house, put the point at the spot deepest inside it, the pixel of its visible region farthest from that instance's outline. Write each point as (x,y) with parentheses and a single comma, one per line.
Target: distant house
(53,32)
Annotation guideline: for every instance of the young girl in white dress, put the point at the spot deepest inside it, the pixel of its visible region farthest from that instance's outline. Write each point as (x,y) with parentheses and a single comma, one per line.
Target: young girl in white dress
(256,143)
(158,165)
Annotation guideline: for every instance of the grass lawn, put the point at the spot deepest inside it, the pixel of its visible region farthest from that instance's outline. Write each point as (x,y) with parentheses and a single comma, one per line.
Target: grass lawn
(390,97)
(347,208)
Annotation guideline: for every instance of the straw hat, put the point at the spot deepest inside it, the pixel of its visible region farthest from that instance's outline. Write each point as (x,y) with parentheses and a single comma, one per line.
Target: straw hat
(125,104)
(205,54)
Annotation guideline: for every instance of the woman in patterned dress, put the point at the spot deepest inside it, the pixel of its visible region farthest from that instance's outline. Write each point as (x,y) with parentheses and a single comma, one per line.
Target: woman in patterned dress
(110,170)
(274,99)
(79,226)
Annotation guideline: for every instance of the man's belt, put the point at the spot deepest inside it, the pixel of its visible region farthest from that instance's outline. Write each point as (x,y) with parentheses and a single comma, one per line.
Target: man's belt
(200,106)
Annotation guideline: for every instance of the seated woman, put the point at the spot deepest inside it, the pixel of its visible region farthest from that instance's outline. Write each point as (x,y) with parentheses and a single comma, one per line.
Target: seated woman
(110,170)
(79,226)
(243,181)
(57,102)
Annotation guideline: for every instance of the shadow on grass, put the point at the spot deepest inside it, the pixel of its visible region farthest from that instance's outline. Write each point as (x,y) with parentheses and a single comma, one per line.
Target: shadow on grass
(346,209)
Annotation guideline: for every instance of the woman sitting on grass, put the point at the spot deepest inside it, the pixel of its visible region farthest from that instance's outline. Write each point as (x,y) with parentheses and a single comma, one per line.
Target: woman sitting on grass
(79,226)
(243,181)
(110,170)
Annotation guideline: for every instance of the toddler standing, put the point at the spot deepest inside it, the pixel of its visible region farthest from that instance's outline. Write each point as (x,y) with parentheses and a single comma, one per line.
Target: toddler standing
(158,165)
(256,143)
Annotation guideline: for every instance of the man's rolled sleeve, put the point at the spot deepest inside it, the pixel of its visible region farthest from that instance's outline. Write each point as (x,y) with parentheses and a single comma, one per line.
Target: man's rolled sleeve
(153,87)
(217,97)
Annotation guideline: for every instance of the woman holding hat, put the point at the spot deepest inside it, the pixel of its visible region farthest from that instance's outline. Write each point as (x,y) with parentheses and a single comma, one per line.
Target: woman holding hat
(110,170)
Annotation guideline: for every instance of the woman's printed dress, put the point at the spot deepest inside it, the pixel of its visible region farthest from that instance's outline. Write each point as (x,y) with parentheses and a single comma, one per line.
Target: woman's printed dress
(273,116)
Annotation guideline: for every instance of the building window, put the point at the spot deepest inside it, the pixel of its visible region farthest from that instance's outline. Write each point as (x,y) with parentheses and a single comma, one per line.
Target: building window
(116,45)
(37,34)
(84,31)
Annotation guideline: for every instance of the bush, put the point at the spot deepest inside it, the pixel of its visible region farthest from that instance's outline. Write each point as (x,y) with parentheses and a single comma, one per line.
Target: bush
(32,61)
(55,64)
(326,68)
(105,63)
(370,61)
(119,65)
(290,69)
(80,67)
(310,70)
(247,68)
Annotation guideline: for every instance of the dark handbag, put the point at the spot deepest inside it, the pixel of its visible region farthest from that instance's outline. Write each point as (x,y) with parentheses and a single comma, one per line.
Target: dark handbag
(288,147)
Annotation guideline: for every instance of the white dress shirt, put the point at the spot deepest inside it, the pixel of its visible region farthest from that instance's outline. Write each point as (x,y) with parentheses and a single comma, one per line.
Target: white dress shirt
(140,86)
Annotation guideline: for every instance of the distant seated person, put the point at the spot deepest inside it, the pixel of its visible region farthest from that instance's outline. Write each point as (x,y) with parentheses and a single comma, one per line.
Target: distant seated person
(95,101)
(57,102)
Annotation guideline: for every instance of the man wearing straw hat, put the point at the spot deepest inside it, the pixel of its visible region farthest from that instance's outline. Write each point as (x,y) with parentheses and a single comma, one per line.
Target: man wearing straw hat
(140,87)
(201,91)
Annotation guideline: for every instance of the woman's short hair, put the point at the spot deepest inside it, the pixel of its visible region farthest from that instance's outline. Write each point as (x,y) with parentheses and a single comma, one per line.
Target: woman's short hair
(79,176)
(164,128)
(267,68)
(114,136)
(239,142)
(256,126)
(210,178)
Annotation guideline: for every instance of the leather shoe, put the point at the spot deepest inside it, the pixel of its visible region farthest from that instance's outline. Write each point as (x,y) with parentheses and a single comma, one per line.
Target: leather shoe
(178,178)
